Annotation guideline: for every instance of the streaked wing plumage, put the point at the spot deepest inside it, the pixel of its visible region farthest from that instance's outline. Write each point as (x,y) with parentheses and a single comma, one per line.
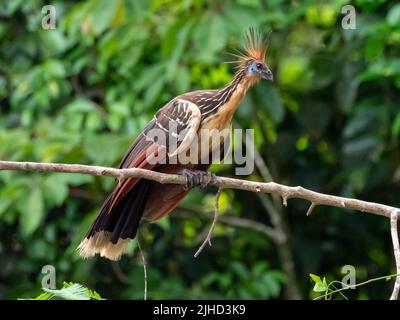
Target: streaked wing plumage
(180,120)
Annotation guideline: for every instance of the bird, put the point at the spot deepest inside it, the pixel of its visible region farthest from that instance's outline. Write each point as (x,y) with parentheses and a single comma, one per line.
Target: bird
(183,117)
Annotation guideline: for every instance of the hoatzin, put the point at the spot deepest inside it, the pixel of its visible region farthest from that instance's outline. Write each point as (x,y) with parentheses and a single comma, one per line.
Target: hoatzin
(136,198)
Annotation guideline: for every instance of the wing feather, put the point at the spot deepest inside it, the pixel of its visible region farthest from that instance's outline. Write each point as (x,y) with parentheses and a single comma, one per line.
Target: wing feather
(179,120)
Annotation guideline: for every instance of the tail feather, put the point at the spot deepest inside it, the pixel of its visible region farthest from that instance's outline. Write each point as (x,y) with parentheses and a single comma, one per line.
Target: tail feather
(110,233)
(101,244)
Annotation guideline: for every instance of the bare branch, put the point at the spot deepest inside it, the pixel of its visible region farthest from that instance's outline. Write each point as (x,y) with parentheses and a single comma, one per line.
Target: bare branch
(396,250)
(284,200)
(144,269)
(208,238)
(285,192)
(231,221)
(310,209)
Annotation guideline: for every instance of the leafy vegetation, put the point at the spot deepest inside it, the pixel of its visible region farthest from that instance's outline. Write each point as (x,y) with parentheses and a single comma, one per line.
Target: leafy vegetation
(337,287)
(82,92)
(69,291)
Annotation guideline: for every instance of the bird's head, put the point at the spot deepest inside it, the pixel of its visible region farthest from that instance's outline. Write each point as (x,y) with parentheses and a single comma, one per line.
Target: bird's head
(251,62)
(259,68)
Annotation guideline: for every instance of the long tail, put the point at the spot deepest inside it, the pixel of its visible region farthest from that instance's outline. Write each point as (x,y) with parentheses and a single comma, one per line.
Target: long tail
(110,233)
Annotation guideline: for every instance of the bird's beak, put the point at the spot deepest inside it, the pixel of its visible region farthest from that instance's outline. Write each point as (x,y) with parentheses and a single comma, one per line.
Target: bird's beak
(267,74)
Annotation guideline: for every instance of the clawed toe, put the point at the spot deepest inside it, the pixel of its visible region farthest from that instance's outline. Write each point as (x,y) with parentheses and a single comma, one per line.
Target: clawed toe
(208,178)
(196,178)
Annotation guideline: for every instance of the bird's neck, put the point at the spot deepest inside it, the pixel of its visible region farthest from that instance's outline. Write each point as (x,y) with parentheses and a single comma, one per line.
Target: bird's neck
(235,90)
(227,99)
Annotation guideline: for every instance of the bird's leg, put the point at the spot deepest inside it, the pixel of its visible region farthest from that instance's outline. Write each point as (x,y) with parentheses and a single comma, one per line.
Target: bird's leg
(196,178)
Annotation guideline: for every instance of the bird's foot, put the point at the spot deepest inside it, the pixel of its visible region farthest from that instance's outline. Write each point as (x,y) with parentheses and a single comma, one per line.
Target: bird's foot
(196,178)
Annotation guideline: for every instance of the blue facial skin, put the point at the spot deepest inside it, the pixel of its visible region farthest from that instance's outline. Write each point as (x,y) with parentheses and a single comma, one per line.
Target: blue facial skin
(259,69)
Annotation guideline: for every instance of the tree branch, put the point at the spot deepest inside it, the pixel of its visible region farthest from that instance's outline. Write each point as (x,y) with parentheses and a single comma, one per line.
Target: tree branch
(214,222)
(396,250)
(285,192)
(144,269)
(186,212)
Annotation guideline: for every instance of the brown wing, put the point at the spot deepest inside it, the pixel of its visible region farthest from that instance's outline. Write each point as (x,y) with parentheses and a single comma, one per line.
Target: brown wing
(179,120)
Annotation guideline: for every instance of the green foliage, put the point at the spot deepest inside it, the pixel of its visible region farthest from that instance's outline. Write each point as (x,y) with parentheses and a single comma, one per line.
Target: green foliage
(239,282)
(332,287)
(69,291)
(320,285)
(82,92)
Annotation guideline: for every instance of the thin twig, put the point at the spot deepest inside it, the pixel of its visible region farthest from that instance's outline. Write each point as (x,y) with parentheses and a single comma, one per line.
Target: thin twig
(310,209)
(347,287)
(190,211)
(214,222)
(144,269)
(396,250)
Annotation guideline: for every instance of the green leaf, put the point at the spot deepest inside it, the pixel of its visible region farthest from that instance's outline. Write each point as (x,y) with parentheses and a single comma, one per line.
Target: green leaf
(44,296)
(396,126)
(240,269)
(102,15)
(302,142)
(171,37)
(54,40)
(294,71)
(320,287)
(217,33)
(153,91)
(321,14)
(315,278)
(360,146)
(72,291)
(80,105)
(393,17)
(210,30)
(32,211)
(268,97)
(56,190)
(272,283)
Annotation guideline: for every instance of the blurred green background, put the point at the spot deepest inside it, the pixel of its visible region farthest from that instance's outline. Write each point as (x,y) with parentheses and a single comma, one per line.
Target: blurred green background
(82,92)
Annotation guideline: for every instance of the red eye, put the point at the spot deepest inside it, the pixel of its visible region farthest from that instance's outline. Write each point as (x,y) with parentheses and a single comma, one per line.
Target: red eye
(259,65)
